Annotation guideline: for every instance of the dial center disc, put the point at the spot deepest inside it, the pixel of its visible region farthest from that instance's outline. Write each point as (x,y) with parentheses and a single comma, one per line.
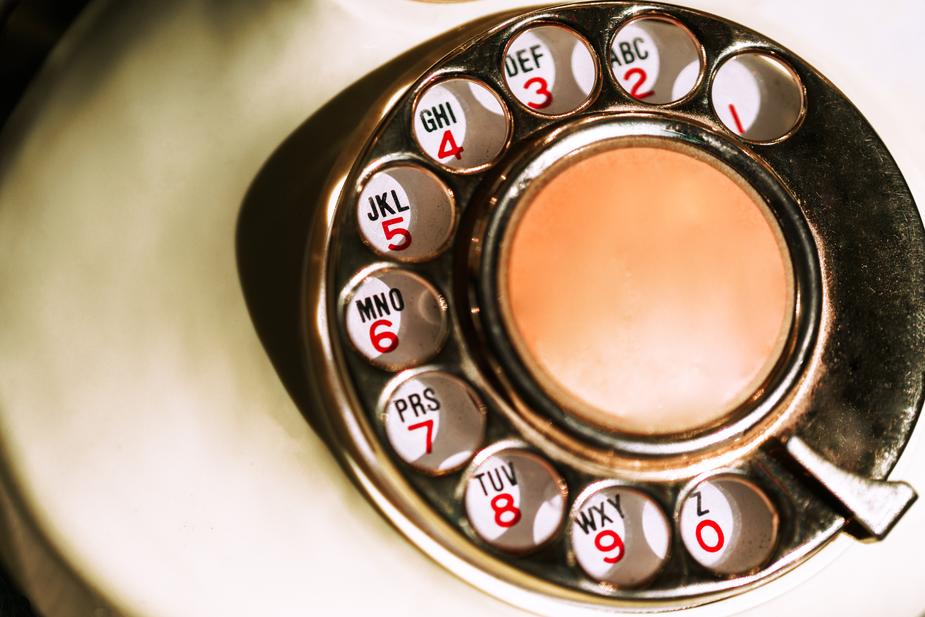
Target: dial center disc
(649,291)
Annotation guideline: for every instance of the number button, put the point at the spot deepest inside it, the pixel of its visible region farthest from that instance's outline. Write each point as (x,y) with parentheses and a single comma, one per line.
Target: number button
(395,319)
(550,69)
(461,124)
(434,422)
(757,96)
(405,212)
(728,525)
(514,499)
(619,535)
(655,59)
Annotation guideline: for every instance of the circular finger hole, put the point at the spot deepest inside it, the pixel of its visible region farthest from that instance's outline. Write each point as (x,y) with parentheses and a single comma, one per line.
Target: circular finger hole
(757,96)
(656,59)
(406,213)
(395,319)
(550,69)
(729,525)
(515,500)
(461,124)
(434,422)
(619,535)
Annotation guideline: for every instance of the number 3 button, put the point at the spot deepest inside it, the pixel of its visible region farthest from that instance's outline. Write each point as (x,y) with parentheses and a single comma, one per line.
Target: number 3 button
(406,213)
(515,500)
(434,422)
(395,318)
(550,69)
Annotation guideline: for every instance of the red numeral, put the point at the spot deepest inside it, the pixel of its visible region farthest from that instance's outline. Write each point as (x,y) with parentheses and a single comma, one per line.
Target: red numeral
(391,232)
(507,508)
(634,91)
(543,89)
(720,539)
(383,341)
(615,543)
(448,146)
(735,118)
(429,435)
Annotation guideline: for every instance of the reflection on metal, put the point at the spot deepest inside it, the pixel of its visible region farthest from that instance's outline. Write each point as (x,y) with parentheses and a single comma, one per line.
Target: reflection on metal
(876,505)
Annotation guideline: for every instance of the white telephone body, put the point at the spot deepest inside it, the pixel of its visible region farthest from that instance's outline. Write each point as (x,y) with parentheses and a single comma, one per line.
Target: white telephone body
(154,464)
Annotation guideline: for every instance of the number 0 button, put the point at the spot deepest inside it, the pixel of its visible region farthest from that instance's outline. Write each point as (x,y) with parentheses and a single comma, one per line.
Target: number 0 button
(461,123)
(395,319)
(515,500)
(406,212)
(619,535)
(729,525)
(434,422)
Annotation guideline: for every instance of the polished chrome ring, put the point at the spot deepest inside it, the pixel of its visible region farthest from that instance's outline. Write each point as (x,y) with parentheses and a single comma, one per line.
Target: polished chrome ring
(590,134)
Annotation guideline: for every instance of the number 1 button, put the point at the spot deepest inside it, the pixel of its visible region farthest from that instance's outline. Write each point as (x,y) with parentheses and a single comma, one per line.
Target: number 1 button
(515,500)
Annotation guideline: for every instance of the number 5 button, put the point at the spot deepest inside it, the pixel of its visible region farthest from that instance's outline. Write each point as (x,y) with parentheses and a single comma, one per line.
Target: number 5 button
(405,212)
(395,318)
(619,535)
(434,422)
(515,500)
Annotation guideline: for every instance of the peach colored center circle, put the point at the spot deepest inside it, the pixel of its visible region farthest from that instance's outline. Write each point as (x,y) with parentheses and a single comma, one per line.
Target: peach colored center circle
(648,291)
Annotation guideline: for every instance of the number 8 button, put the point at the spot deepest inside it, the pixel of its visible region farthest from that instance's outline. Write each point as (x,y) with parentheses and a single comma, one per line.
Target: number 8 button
(514,499)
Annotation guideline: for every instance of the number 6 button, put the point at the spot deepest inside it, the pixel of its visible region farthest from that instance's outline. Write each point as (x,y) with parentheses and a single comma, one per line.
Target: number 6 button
(514,499)
(405,212)
(434,422)
(395,318)
(619,535)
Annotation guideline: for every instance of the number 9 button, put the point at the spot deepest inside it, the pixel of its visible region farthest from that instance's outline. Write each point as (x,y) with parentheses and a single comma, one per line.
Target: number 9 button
(395,318)
(619,535)
(405,212)
(434,422)
(515,500)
